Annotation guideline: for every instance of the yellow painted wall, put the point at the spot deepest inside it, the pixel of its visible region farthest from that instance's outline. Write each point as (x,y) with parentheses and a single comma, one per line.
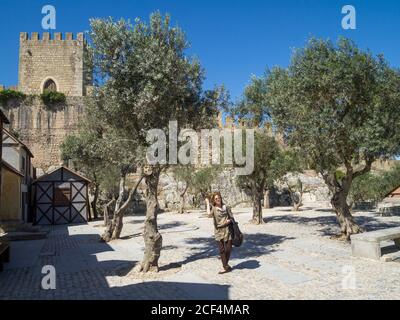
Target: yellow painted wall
(10,196)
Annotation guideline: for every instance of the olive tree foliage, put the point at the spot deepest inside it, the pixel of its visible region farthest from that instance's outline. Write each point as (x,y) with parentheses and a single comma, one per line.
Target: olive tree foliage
(288,166)
(375,186)
(82,152)
(253,112)
(98,152)
(197,181)
(368,187)
(266,152)
(183,175)
(341,106)
(145,81)
(202,183)
(252,108)
(87,151)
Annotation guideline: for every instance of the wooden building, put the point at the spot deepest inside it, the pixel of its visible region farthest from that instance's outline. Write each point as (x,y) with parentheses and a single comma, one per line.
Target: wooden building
(11,194)
(16,154)
(3,120)
(61,197)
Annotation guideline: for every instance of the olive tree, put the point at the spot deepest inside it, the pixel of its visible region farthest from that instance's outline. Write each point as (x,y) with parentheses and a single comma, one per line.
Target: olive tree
(341,106)
(198,181)
(183,174)
(81,149)
(146,80)
(96,151)
(253,112)
(266,151)
(287,166)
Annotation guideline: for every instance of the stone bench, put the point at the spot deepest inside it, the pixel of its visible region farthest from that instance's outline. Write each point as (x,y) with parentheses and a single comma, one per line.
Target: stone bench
(4,254)
(368,244)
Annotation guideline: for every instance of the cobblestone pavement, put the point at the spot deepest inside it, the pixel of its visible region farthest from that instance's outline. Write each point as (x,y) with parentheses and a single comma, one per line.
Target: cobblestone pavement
(292,256)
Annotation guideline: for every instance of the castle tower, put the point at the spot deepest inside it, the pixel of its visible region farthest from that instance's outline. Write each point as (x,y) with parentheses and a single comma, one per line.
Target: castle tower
(53,64)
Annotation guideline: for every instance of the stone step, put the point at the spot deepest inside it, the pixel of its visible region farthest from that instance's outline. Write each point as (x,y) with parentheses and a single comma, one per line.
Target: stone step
(7,226)
(17,226)
(23,236)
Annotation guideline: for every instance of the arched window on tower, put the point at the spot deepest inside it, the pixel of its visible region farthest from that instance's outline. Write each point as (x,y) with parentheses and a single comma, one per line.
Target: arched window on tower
(50,85)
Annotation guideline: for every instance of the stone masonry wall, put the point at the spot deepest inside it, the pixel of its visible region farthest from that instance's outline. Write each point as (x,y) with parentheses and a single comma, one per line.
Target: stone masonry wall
(314,186)
(44,130)
(62,61)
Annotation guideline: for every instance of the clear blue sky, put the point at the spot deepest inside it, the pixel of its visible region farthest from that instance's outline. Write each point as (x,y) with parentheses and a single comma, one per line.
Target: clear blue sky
(233,38)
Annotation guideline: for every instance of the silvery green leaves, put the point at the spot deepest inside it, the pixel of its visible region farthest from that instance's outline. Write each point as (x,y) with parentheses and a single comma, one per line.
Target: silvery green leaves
(337,102)
(145,81)
(148,79)
(341,107)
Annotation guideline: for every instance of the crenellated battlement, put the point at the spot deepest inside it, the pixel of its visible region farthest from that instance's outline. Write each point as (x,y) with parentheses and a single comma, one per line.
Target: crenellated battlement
(47,36)
(54,62)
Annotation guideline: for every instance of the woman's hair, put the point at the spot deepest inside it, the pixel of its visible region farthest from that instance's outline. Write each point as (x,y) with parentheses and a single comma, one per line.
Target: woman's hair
(213,198)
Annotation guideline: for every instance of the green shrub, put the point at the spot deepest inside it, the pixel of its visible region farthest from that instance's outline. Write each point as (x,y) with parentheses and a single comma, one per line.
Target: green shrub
(9,94)
(374,187)
(51,98)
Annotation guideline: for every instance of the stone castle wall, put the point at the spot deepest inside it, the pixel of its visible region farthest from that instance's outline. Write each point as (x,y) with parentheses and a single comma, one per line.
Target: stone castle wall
(62,61)
(169,189)
(43,130)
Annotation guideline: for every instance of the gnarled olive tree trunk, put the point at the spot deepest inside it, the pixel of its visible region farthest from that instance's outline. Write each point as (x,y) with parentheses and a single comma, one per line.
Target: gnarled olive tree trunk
(152,238)
(348,226)
(93,203)
(340,191)
(208,210)
(297,205)
(114,227)
(297,199)
(109,231)
(106,212)
(257,197)
(267,202)
(182,196)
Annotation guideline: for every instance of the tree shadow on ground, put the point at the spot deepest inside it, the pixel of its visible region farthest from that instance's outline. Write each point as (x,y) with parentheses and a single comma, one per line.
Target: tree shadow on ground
(254,245)
(136,221)
(171,225)
(290,209)
(325,210)
(329,224)
(83,265)
(170,248)
(161,228)
(131,236)
(168,290)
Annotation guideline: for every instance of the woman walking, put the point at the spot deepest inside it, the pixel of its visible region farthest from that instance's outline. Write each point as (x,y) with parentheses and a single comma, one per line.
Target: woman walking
(223,234)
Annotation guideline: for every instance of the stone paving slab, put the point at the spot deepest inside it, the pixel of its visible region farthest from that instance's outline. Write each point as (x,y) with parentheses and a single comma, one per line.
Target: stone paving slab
(287,258)
(286,276)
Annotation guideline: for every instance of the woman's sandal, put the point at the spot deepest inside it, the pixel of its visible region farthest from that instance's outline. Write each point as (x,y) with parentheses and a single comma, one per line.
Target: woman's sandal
(228,269)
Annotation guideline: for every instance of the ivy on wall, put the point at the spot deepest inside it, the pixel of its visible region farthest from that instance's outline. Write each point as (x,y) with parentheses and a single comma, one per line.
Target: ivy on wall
(51,98)
(9,94)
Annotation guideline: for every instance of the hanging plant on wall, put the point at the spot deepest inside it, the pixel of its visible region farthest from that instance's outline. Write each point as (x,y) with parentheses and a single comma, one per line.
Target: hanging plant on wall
(51,98)
(8,95)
